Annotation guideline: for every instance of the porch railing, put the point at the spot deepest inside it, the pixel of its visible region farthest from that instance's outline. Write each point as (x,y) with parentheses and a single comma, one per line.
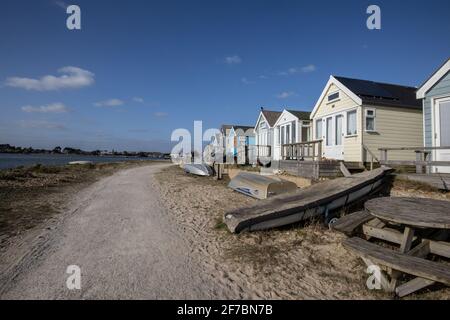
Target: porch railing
(263,151)
(423,158)
(372,156)
(308,150)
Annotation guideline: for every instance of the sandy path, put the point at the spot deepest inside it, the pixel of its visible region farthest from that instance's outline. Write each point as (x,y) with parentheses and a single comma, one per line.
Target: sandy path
(120,236)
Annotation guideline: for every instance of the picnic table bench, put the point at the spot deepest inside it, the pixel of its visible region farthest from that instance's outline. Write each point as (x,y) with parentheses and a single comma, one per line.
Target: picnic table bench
(383,218)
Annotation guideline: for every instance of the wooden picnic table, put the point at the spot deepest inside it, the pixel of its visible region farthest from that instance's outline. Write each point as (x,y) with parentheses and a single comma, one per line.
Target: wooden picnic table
(392,214)
(414,212)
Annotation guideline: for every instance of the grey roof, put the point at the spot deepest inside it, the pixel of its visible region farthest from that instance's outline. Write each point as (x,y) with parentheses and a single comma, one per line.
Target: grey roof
(378,93)
(302,115)
(271,116)
(227,127)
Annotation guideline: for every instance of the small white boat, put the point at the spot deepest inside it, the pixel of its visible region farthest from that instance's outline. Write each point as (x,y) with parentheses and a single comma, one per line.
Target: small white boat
(199,169)
(260,186)
(80,162)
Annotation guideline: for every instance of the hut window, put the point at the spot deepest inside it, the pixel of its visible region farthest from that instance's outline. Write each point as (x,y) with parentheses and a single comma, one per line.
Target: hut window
(370,119)
(333,96)
(319,129)
(351,123)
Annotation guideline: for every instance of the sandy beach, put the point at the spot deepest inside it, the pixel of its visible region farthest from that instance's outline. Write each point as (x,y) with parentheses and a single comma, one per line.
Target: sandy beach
(150,231)
(298,262)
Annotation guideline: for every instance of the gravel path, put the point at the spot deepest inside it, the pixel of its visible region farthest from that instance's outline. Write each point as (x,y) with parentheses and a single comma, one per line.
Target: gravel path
(120,236)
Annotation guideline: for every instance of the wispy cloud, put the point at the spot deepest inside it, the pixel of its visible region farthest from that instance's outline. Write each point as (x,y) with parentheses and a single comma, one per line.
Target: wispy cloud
(295,70)
(263,77)
(56,107)
(41,124)
(109,103)
(233,60)
(246,81)
(285,94)
(71,78)
(61,4)
(138,99)
(161,114)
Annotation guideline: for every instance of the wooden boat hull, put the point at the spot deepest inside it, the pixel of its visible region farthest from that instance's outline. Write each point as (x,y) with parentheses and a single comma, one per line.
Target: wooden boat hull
(319,199)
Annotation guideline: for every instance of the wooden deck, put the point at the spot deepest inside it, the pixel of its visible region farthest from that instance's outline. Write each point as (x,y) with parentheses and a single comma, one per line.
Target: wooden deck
(439,181)
(311,169)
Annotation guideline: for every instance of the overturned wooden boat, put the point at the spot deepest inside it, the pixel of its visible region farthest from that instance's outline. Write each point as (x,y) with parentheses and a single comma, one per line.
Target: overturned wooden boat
(260,187)
(199,169)
(320,199)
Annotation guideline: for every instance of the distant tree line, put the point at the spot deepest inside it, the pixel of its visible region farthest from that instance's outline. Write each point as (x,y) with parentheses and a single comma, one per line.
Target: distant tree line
(7,148)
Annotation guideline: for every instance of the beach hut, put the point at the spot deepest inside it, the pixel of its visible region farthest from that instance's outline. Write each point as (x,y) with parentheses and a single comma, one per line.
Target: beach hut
(237,140)
(291,127)
(435,97)
(264,133)
(354,118)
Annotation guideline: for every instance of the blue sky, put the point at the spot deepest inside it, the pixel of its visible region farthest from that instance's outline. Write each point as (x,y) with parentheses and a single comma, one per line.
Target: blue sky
(140,69)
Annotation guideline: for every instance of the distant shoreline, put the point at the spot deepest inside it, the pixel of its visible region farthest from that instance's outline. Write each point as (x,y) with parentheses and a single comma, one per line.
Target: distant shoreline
(18,160)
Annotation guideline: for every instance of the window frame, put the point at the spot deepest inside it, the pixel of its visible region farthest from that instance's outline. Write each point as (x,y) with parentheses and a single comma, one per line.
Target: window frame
(373,116)
(347,127)
(333,93)
(321,129)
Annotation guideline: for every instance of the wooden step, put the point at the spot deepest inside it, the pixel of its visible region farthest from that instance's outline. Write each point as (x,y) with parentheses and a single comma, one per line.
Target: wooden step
(350,223)
(416,266)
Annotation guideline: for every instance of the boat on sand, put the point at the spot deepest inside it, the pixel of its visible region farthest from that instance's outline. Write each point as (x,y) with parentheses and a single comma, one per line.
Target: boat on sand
(259,186)
(199,169)
(324,198)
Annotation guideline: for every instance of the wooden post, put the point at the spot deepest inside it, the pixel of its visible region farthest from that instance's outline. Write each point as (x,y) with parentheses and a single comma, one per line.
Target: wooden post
(319,151)
(419,168)
(427,157)
(383,155)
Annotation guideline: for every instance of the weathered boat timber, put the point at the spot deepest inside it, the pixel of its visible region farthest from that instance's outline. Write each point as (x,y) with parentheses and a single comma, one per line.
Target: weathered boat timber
(260,187)
(319,199)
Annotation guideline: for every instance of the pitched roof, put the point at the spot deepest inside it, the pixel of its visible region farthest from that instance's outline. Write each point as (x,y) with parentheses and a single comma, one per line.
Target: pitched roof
(302,115)
(227,127)
(378,93)
(271,116)
(433,79)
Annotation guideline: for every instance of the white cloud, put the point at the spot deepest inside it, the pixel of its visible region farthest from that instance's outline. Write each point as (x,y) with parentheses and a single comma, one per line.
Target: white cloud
(263,77)
(61,4)
(309,68)
(246,81)
(138,99)
(233,60)
(109,103)
(295,70)
(161,114)
(56,107)
(41,124)
(71,78)
(285,94)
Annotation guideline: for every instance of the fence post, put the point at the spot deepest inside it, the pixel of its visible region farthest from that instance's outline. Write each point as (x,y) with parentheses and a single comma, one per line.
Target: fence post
(419,158)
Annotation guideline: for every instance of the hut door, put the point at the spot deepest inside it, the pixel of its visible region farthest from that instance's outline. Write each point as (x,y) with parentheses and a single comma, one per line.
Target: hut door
(442,137)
